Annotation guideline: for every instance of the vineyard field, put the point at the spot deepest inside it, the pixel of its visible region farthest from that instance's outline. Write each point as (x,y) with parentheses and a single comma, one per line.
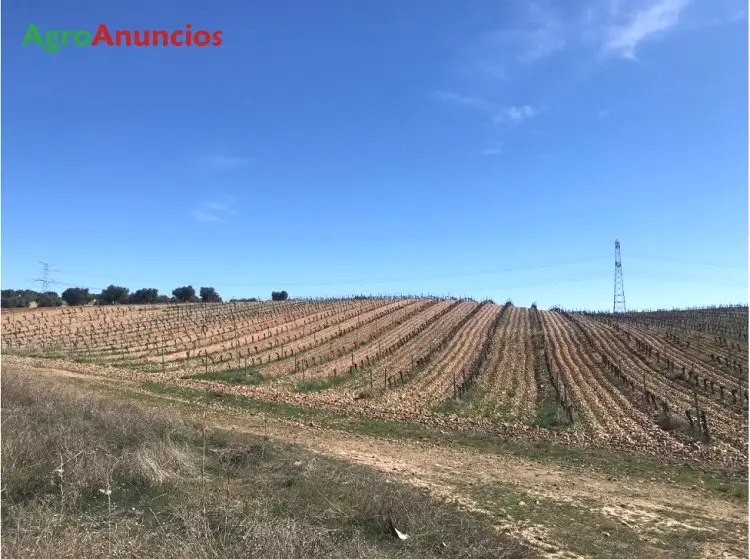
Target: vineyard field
(672,383)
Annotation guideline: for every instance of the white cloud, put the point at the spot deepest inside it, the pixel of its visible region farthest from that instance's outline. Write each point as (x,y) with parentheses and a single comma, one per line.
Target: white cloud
(221,208)
(524,46)
(588,32)
(473,102)
(539,29)
(644,24)
(493,69)
(214,212)
(496,114)
(496,150)
(731,14)
(515,115)
(535,34)
(544,33)
(202,216)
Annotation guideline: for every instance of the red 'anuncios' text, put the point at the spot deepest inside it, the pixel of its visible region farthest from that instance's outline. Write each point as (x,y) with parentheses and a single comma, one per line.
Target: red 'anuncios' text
(140,38)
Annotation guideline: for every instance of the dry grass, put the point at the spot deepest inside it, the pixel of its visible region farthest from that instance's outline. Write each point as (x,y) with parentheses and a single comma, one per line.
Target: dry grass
(83,476)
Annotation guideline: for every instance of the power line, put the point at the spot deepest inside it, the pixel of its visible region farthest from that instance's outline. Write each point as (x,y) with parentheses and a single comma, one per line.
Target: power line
(686,261)
(64,284)
(431,277)
(556,276)
(486,272)
(45,280)
(685,279)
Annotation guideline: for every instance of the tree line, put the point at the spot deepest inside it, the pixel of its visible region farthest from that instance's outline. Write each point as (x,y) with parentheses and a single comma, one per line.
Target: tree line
(117,295)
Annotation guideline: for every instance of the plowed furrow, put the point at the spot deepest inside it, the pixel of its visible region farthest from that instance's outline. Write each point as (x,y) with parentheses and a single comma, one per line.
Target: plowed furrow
(425,343)
(436,383)
(342,347)
(508,388)
(380,348)
(613,410)
(725,426)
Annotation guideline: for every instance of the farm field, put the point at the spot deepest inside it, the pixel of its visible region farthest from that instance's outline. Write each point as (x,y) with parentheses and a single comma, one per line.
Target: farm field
(668,386)
(672,383)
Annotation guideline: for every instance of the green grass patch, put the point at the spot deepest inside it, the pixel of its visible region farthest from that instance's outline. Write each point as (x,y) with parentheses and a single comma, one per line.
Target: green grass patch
(459,403)
(450,406)
(550,416)
(320,385)
(36,353)
(83,359)
(192,395)
(142,367)
(245,376)
(721,482)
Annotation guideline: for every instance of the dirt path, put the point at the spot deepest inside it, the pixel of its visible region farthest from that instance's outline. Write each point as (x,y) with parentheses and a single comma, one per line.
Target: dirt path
(521,497)
(650,508)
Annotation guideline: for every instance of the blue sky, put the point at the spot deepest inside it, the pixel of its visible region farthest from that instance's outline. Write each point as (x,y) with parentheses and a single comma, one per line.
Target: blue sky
(479,148)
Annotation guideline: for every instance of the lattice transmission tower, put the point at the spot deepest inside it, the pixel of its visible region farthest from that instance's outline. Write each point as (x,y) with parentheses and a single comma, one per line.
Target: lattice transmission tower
(619,303)
(45,280)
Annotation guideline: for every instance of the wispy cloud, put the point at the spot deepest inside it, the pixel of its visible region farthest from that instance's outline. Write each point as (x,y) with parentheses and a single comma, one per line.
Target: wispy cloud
(537,30)
(543,35)
(732,14)
(221,208)
(203,216)
(532,35)
(515,115)
(524,46)
(497,114)
(646,23)
(215,212)
(532,32)
(497,149)
(467,101)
